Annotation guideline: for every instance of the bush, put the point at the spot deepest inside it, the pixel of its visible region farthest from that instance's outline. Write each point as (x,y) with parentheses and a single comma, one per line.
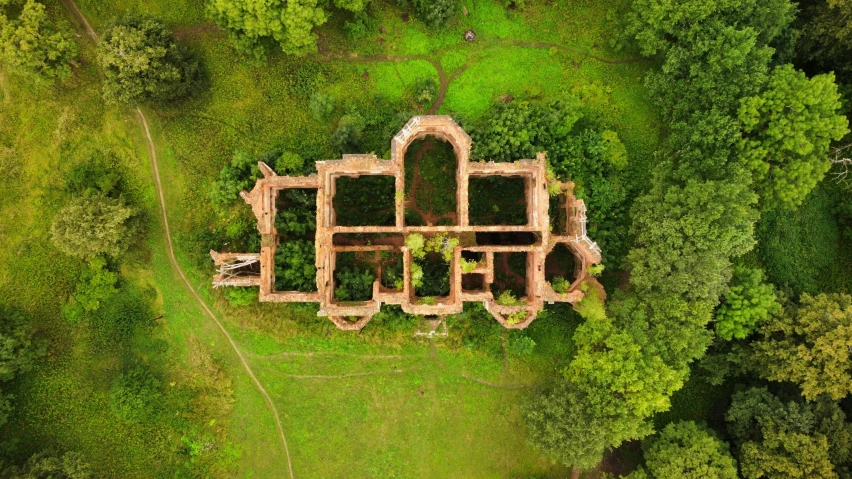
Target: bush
(238,175)
(435,13)
(347,137)
(97,284)
(354,284)
(295,269)
(239,297)
(98,175)
(143,62)
(94,226)
(49,465)
(118,318)
(134,394)
(321,106)
(520,345)
(424,91)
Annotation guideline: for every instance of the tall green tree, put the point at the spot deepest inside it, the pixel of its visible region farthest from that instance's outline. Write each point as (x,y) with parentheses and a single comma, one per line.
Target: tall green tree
(787,131)
(811,346)
(777,440)
(685,450)
(143,62)
(92,226)
(747,302)
(36,46)
(251,24)
(687,234)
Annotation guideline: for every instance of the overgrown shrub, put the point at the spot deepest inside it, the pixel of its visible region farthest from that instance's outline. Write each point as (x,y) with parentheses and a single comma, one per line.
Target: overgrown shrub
(435,13)
(96,285)
(98,175)
(294,266)
(240,174)
(424,91)
(354,284)
(239,297)
(134,394)
(347,137)
(142,62)
(321,106)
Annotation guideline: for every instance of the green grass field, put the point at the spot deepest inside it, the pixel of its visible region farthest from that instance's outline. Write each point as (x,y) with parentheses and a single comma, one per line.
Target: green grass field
(382,404)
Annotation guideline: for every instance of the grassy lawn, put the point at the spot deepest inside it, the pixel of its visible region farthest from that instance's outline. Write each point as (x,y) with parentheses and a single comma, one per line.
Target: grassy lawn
(407,408)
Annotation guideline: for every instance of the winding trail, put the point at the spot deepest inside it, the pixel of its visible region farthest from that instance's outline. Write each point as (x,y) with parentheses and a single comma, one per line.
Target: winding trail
(152,152)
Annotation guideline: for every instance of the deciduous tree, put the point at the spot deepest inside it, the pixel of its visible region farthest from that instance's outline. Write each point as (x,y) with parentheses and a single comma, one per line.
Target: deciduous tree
(92,226)
(685,450)
(747,302)
(143,62)
(811,346)
(36,46)
(787,131)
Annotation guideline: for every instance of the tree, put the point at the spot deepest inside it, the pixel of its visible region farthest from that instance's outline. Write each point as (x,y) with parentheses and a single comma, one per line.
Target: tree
(688,233)
(238,175)
(747,302)
(36,46)
(777,440)
(563,428)
(811,346)
(252,23)
(92,226)
(354,284)
(787,131)
(18,350)
(295,269)
(49,465)
(685,450)
(142,62)
(435,13)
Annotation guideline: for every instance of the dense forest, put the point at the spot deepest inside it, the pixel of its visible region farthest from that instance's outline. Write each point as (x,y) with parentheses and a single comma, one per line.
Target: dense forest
(709,139)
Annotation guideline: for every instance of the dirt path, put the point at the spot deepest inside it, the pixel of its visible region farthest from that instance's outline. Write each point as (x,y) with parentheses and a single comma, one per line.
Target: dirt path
(152,152)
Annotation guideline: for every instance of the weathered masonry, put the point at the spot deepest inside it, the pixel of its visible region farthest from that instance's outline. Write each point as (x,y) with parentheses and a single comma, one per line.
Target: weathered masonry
(258,269)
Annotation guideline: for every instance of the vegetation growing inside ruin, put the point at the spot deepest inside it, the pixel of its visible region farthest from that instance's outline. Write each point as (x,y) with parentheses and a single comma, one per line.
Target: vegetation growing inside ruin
(674,121)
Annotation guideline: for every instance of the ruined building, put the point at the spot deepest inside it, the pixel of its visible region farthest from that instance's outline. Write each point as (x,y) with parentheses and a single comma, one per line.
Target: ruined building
(536,239)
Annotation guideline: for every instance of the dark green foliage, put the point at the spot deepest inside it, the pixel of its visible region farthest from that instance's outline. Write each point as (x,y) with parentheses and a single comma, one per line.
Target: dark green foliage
(354,284)
(122,315)
(142,62)
(777,440)
(240,174)
(825,40)
(239,297)
(392,270)
(563,426)
(803,251)
(368,200)
(436,276)
(18,349)
(92,226)
(99,175)
(435,13)
(347,137)
(520,345)
(747,302)
(49,465)
(134,395)
(297,212)
(294,266)
(33,44)
(433,192)
(497,200)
